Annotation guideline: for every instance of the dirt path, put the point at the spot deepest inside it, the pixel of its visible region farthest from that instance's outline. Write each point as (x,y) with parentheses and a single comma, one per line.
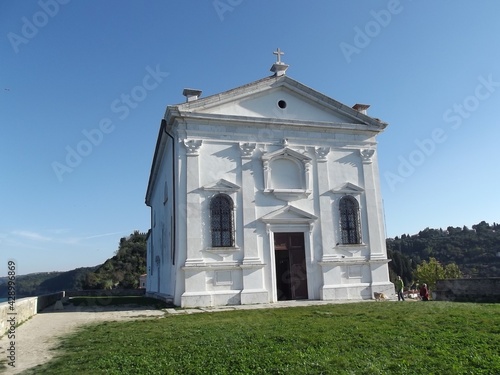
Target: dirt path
(37,338)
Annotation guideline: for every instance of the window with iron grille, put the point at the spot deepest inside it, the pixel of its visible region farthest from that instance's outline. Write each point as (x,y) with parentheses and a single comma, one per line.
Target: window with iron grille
(221,221)
(349,221)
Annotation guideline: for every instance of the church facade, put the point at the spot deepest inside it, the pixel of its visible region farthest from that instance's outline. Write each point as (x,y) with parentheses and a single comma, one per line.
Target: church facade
(266,192)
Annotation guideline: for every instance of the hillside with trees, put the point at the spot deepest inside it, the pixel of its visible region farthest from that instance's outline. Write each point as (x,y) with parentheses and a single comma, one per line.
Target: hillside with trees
(122,270)
(35,284)
(475,251)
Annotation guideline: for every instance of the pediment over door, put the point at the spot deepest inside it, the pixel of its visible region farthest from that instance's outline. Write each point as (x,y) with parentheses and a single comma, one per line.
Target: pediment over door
(289,215)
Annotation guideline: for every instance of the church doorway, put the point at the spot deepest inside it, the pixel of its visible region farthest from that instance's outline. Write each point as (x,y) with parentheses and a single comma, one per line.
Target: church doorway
(291,274)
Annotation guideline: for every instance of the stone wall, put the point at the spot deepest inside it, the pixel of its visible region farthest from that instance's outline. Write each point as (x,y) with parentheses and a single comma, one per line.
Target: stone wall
(25,308)
(468,290)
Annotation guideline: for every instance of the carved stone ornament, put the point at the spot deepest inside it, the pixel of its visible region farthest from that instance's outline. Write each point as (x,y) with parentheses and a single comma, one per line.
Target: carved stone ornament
(322,153)
(192,146)
(366,155)
(247,149)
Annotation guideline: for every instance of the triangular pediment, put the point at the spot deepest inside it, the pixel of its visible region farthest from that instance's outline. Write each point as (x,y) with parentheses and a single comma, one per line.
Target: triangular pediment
(222,186)
(286,151)
(348,188)
(288,215)
(279,98)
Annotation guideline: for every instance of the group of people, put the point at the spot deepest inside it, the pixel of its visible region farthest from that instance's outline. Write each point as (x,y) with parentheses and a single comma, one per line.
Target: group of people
(424,290)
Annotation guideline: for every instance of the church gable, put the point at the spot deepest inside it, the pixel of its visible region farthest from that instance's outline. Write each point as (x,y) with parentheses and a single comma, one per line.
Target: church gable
(279,98)
(281,103)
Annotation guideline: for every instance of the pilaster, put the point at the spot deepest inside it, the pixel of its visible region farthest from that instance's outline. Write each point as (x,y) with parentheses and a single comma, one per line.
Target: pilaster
(374,215)
(252,265)
(325,202)
(193,203)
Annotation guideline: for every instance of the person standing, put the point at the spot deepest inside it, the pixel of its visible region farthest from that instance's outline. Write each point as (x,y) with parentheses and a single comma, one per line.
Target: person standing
(399,288)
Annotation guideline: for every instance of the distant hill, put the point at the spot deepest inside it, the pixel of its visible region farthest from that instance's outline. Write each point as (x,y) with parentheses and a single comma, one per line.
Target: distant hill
(476,251)
(120,271)
(45,282)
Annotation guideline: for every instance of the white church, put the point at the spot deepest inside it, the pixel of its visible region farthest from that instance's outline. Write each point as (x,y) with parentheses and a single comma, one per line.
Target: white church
(263,193)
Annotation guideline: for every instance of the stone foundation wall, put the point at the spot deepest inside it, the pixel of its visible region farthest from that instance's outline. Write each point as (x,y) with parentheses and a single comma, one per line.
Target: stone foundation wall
(468,290)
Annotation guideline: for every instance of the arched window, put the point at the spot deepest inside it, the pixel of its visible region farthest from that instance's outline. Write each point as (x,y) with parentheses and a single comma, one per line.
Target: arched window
(349,221)
(221,221)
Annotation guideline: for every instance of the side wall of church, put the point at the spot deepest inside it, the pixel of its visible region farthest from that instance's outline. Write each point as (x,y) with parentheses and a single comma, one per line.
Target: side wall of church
(162,269)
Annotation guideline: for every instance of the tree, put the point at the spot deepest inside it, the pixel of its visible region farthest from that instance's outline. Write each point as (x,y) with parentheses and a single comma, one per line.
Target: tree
(122,270)
(431,271)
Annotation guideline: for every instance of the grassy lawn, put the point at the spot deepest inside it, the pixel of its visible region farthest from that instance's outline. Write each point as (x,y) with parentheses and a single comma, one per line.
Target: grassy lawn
(357,338)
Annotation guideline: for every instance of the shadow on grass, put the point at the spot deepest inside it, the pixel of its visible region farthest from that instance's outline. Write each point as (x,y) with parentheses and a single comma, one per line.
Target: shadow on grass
(108,303)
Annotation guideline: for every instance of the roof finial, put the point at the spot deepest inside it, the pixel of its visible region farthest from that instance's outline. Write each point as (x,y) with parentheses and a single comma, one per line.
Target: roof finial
(278,54)
(279,68)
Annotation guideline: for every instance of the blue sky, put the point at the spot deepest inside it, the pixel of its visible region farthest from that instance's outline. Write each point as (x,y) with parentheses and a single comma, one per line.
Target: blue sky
(84,85)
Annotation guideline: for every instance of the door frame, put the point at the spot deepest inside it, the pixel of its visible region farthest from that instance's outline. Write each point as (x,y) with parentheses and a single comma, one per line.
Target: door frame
(290,228)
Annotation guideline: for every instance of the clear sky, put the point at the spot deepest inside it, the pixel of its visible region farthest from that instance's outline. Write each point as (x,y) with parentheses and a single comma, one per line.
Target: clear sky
(84,85)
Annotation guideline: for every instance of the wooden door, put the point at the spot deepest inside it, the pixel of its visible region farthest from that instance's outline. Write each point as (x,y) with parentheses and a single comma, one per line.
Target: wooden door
(291,273)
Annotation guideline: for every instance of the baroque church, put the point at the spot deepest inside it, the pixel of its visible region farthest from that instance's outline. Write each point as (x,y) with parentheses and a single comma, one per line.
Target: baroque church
(266,192)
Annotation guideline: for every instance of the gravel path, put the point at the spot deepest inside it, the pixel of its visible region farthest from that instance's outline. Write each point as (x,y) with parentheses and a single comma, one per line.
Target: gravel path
(37,338)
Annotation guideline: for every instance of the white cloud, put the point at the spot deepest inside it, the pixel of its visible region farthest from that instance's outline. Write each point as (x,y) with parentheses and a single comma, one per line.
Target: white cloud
(31,235)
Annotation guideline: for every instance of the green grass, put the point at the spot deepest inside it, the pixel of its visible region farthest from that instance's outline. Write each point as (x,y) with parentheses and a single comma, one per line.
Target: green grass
(359,338)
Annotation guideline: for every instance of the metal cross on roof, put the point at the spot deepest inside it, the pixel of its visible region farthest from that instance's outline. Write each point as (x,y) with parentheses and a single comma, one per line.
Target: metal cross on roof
(278,54)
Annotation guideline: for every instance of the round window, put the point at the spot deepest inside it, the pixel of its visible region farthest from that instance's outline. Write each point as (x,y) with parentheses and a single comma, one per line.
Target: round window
(282,104)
